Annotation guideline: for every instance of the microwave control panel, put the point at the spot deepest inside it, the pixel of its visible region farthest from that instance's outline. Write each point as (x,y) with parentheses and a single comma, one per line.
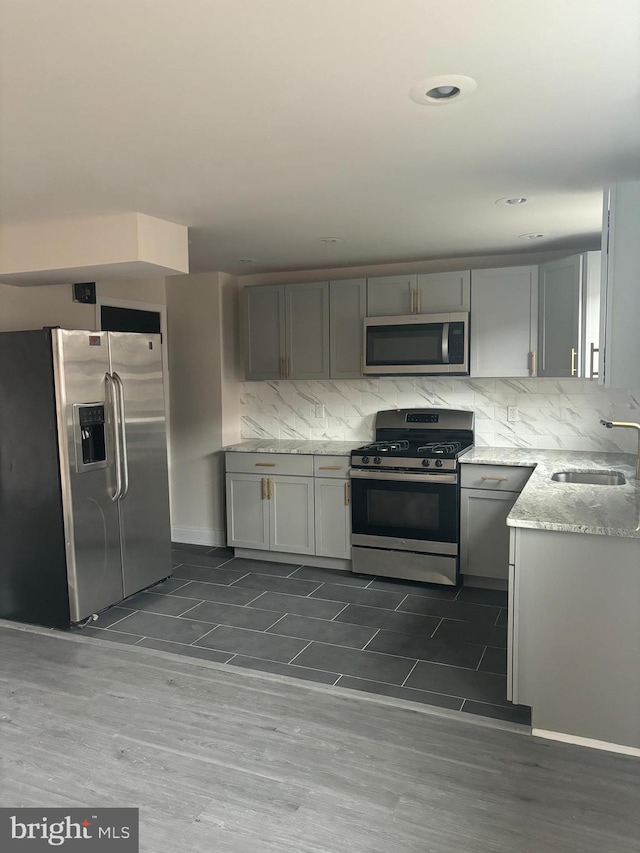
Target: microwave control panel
(456,343)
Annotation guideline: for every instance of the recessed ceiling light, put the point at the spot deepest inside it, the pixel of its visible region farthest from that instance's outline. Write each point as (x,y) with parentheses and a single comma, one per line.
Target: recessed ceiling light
(246,260)
(515,200)
(329,240)
(532,236)
(444,89)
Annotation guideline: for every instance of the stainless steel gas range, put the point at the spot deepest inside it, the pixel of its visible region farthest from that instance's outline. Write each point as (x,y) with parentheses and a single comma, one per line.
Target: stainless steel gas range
(405,504)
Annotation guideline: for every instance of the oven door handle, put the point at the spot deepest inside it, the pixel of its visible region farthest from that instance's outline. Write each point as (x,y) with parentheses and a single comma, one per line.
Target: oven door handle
(401,477)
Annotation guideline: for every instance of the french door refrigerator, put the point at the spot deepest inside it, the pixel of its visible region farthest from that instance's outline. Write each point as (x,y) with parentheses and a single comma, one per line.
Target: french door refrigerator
(84,498)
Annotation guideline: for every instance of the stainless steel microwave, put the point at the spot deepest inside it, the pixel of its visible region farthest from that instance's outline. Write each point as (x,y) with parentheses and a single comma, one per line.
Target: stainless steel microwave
(417,344)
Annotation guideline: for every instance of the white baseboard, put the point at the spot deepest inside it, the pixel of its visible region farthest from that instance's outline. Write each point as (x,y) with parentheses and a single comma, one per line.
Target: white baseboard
(587,741)
(198,536)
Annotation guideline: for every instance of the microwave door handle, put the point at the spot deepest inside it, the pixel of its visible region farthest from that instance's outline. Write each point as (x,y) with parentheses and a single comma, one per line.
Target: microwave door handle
(445,343)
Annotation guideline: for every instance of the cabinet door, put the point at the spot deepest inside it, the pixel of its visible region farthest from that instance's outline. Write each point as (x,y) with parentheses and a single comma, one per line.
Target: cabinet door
(390,295)
(620,292)
(347,307)
(291,520)
(559,298)
(484,535)
(333,517)
(264,331)
(444,291)
(247,511)
(504,321)
(307,322)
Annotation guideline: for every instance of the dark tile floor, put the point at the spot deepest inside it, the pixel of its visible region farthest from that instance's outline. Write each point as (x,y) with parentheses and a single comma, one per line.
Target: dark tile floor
(436,645)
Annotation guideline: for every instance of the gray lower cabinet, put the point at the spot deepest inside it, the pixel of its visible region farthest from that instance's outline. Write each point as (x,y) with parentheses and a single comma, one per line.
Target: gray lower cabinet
(247,511)
(291,515)
(484,535)
(274,513)
(333,517)
(574,634)
(486,496)
(348,305)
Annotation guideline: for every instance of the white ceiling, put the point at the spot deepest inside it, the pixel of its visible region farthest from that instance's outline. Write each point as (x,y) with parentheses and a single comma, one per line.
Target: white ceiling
(266,125)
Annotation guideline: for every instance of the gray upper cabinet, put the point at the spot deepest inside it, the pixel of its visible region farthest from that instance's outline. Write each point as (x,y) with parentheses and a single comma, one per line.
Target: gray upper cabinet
(264,331)
(504,315)
(391,295)
(286,331)
(443,292)
(559,302)
(307,330)
(348,304)
(619,338)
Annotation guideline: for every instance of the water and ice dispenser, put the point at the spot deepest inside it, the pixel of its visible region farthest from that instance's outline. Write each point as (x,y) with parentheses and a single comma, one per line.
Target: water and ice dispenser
(90,425)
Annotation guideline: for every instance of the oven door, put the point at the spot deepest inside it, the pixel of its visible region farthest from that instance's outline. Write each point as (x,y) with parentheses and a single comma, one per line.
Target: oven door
(405,511)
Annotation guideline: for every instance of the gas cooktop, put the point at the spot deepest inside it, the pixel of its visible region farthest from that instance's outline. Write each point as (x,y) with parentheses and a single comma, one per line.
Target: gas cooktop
(417,438)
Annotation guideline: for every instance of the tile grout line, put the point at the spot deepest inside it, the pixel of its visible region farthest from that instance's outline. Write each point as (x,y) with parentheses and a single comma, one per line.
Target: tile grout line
(436,628)
(333,619)
(299,653)
(372,639)
(484,651)
(409,673)
(259,595)
(308,595)
(401,603)
(269,627)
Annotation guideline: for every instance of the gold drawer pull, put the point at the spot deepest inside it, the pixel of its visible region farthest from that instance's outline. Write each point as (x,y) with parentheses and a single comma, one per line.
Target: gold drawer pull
(346,494)
(498,479)
(330,467)
(263,483)
(269,485)
(265,464)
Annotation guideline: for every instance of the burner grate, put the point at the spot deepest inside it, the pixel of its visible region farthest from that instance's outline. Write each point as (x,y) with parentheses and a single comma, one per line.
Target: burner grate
(441,447)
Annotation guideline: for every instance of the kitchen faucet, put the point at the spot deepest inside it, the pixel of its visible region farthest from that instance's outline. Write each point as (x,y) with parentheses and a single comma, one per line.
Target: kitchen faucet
(629,425)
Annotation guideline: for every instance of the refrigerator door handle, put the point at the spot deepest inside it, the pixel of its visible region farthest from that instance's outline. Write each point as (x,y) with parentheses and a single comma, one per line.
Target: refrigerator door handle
(113,396)
(123,437)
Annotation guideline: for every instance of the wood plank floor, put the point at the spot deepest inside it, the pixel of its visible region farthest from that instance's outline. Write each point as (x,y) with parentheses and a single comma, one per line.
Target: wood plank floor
(242,762)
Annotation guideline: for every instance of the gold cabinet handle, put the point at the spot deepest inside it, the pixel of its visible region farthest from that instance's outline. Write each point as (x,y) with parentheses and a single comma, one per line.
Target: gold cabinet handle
(282,368)
(412,299)
(330,467)
(534,365)
(347,500)
(287,370)
(269,482)
(593,349)
(574,353)
(265,464)
(263,484)
(419,299)
(497,479)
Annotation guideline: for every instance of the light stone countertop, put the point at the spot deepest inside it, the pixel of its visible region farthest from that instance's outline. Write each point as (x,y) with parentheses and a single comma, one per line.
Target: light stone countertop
(543,504)
(571,507)
(312,448)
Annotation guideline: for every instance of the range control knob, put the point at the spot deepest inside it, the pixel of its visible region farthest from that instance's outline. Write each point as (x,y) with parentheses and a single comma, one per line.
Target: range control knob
(426,462)
(365,460)
(438,463)
(377,460)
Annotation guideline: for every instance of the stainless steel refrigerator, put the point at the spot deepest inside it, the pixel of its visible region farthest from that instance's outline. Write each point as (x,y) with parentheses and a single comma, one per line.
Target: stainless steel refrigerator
(84,497)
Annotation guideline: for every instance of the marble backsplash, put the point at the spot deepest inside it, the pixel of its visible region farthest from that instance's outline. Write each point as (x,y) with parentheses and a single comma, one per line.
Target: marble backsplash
(552,413)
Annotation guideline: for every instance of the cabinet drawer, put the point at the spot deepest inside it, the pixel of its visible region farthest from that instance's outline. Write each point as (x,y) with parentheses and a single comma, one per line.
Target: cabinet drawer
(500,478)
(331,466)
(269,463)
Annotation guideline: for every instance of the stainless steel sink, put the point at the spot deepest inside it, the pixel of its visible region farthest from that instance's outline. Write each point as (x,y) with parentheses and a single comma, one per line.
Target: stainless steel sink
(590,478)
